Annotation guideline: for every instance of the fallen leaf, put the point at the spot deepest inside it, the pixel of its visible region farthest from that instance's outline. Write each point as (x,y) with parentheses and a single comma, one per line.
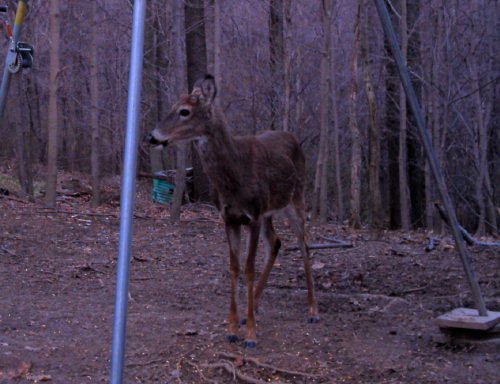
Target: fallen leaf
(13,368)
(238,361)
(39,378)
(318,265)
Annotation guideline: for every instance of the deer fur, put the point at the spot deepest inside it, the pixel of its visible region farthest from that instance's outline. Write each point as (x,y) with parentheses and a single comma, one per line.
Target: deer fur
(252,177)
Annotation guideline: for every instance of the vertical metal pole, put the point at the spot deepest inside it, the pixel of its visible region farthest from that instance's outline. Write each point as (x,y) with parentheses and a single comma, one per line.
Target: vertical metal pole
(426,141)
(11,53)
(128,192)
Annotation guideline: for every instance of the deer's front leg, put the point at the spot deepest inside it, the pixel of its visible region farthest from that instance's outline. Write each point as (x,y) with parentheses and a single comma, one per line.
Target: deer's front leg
(251,337)
(273,244)
(234,240)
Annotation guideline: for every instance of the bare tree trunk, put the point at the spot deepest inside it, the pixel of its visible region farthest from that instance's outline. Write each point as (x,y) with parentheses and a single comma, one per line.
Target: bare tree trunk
(51,186)
(180,175)
(276,56)
(374,130)
(68,132)
(404,191)
(18,125)
(150,93)
(493,24)
(22,160)
(196,62)
(287,26)
(196,47)
(390,142)
(320,197)
(355,216)
(339,190)
(299,104)
(94,112)
(428,31)
(490,205)
(217,48)
(180,183)
(24,130)
(481,151)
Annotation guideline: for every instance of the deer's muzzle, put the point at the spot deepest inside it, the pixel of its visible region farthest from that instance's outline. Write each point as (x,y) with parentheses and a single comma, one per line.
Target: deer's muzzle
(153,141)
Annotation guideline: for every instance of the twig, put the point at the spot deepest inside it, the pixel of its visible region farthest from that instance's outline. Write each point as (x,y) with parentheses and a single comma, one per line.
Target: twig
(142,278)
(413,290)
(7,251)
(151,362)
(59,212)
(18,199)
(229,367)
(195,366)
(333,239)
(268,366)
(76,213)
(199,219)
(88,267)
(141,259)
(321,246)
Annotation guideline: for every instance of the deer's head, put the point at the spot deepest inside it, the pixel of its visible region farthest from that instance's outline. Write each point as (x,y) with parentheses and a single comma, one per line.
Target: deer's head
(189,117)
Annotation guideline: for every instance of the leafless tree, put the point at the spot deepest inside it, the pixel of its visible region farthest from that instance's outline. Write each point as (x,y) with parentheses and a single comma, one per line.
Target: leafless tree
(53,115)
(259,49)
(94,113)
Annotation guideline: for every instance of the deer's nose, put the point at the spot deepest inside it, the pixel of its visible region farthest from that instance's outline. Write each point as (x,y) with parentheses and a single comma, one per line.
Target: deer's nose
(152,140)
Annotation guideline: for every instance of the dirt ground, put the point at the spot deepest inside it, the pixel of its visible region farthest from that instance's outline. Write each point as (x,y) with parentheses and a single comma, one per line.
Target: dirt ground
(377,302)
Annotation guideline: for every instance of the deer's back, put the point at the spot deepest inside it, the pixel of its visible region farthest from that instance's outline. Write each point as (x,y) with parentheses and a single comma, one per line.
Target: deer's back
(283,146)
(277,167)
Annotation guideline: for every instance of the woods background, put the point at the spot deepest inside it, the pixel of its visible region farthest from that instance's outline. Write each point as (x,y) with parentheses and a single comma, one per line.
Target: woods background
(320,69)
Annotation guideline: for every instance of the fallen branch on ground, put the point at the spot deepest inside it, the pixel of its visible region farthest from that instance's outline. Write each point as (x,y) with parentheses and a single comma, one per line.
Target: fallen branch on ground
(321,246)
(13,198)
(228,367)
(95,214)
(197,368)
(466,235)
(145,363)
(9,252)
(267,366)
(333,240)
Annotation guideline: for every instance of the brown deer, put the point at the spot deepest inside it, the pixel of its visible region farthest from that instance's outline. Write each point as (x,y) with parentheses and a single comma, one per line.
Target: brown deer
(253,178)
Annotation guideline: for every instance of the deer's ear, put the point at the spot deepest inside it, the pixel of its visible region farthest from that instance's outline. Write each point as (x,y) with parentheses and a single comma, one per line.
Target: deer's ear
(208,88)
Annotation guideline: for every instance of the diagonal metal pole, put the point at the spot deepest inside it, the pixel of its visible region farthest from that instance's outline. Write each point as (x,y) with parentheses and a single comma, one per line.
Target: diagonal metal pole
(11,53)
(128,192)
(431,157)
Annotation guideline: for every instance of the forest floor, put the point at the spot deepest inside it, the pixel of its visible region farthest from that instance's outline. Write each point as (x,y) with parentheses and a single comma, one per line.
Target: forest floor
(377,302)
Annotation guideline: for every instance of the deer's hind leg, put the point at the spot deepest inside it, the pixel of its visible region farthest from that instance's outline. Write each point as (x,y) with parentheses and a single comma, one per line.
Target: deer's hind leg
(233,233)
(251,335)
(273,244)
(296,217)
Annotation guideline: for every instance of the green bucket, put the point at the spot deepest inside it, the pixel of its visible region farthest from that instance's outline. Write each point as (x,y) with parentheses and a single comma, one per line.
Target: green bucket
(162,191)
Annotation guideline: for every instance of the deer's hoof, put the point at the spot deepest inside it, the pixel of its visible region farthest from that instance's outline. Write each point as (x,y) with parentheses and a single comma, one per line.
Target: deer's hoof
(250,344)
(313,320)
(232,338)
(243,322)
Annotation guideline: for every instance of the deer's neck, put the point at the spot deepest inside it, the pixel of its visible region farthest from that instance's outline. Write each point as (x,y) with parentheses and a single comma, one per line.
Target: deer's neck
(220,157)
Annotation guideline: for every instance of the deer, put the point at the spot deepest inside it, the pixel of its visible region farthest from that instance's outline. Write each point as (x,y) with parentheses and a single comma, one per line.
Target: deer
(253,178)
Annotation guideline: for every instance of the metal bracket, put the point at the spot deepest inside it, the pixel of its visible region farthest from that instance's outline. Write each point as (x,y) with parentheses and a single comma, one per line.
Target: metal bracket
(23,57)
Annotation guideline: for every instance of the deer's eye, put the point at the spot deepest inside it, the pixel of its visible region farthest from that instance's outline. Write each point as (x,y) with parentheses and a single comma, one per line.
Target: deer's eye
(184,112)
